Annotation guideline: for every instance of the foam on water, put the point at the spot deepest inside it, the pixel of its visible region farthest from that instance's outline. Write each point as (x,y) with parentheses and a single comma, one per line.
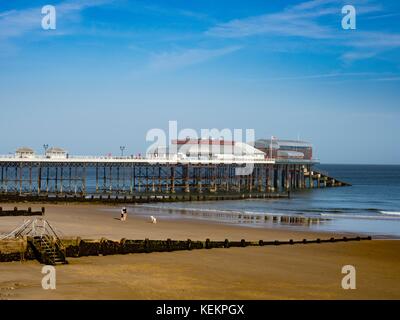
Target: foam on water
(391,213)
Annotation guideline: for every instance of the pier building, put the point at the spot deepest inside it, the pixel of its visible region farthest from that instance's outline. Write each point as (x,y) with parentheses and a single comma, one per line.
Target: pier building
(275,148)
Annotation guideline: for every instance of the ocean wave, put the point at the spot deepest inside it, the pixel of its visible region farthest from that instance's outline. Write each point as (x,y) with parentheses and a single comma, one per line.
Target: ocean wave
(390,213)
(191,209)
(214,211)
(341,210)
(353,213)
(319,210)
(362,217)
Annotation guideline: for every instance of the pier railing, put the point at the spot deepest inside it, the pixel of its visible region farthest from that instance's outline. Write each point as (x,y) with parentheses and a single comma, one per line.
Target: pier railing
(172,159)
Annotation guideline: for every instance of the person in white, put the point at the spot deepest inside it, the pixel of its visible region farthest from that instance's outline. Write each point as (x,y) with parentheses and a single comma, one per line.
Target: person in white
(124,214)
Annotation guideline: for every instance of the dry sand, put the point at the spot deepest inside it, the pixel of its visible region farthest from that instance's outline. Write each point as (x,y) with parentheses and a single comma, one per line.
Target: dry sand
(285,272)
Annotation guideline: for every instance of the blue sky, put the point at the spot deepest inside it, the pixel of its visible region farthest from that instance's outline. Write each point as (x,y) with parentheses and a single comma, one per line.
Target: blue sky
(114,69)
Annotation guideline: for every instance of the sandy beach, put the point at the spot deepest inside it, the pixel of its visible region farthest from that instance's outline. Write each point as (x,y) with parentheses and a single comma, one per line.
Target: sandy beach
(310,271)
(97,221)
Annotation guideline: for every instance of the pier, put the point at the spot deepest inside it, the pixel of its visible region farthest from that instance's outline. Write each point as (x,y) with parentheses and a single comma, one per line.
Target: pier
(189,170)
(134,179)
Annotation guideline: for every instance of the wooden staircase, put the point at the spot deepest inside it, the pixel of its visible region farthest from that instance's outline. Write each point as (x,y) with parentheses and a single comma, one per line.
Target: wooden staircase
(44,241)
(48,250)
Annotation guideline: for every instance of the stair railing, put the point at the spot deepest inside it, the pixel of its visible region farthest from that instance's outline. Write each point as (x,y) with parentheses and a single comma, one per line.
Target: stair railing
(37,227)
(54,235)
(18,232)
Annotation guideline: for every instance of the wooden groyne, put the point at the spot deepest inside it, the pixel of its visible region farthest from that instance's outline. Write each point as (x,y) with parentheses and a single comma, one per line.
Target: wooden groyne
(21,212)
(23,249)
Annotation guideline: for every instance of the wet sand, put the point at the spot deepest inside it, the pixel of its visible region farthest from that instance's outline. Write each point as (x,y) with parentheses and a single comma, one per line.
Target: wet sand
(96,222)
(310,271)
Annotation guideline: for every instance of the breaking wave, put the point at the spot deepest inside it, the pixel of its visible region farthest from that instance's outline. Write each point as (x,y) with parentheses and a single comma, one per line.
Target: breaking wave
(390,213)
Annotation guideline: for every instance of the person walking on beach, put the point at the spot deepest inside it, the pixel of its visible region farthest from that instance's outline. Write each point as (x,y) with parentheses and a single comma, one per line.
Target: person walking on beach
(124,214)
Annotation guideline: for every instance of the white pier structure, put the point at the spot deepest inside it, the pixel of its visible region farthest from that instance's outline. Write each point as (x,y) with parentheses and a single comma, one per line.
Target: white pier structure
(195,168)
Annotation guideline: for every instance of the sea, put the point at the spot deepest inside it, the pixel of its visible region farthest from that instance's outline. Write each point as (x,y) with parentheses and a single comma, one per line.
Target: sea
(371,206)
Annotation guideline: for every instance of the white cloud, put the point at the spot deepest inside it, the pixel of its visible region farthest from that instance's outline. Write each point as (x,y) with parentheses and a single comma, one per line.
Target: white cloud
(329,75)
(16,22)
(352,56)
(299,20)
(305,21)
(287,24)
(389,79)
(376,40)
(188,57)
(338,76)
(367,45)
